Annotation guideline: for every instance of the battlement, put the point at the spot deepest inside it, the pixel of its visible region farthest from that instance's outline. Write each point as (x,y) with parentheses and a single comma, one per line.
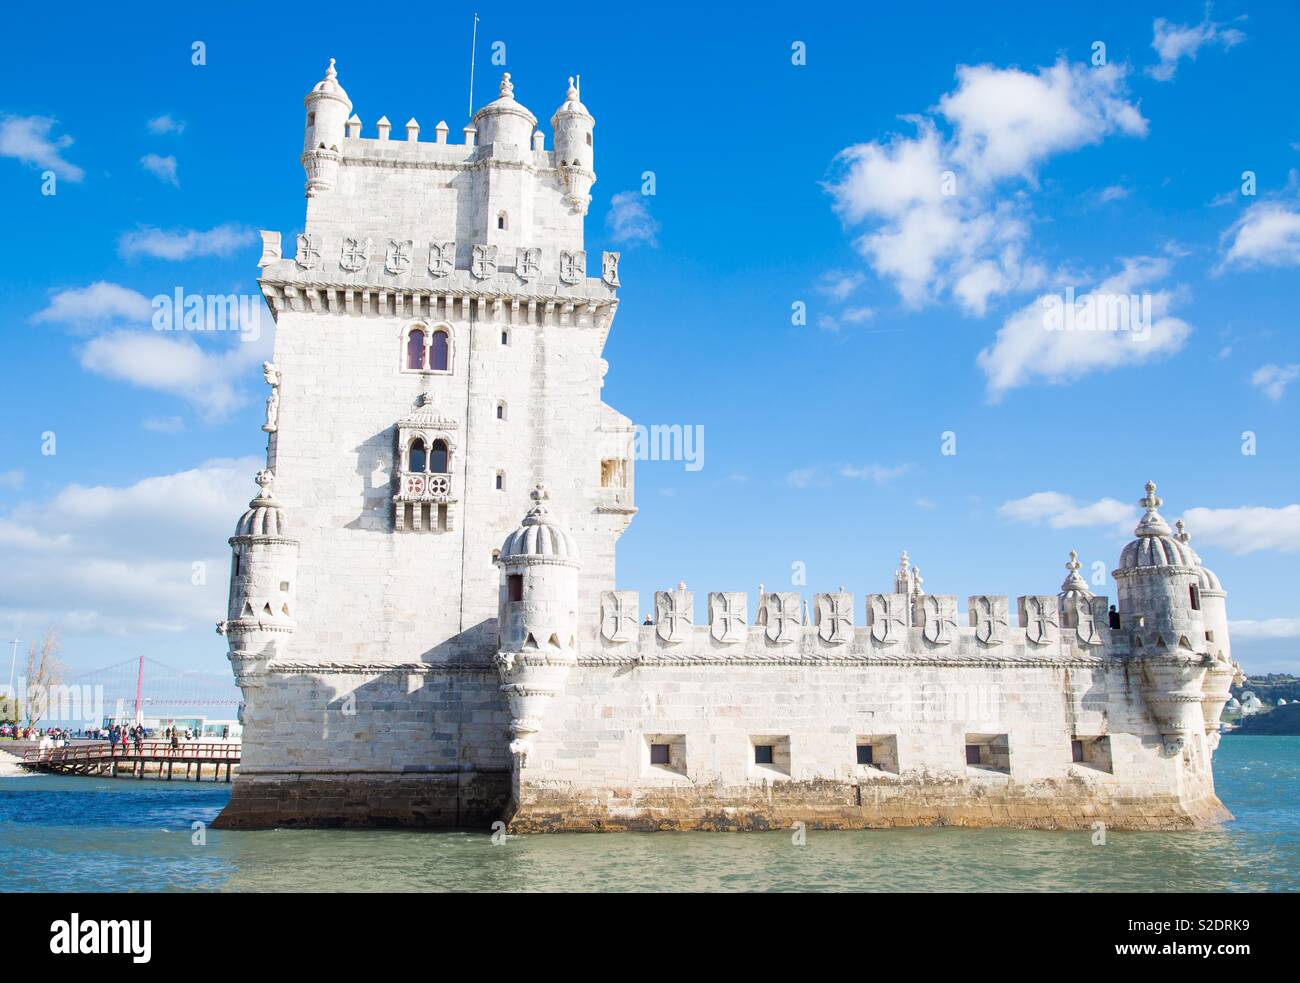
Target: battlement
(888,628)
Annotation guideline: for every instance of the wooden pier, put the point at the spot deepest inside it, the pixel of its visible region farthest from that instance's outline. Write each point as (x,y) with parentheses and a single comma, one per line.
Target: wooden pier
(157,760)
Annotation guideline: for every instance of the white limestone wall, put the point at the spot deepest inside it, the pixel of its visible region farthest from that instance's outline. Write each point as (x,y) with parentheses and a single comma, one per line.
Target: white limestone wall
(365,591)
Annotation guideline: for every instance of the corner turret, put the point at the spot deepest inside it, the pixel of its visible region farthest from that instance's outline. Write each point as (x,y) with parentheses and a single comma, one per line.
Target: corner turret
(1160,611)
(537,619)
(504,122)
(574,152)
(328,107)
(263,572)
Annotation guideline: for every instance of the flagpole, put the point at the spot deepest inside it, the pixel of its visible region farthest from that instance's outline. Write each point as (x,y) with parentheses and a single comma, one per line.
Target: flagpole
(472,46)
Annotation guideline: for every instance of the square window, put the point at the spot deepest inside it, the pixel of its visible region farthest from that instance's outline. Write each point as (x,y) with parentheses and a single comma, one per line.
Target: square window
(659,754)
(515,587)
(1076,750)
(762,754)
(972,754)
(864,754)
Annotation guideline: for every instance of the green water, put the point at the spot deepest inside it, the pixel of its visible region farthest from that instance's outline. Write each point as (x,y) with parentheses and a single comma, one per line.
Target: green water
(65,834)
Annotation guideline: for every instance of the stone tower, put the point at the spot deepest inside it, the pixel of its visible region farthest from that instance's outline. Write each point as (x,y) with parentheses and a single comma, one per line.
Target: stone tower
(1160,613)
(537,623)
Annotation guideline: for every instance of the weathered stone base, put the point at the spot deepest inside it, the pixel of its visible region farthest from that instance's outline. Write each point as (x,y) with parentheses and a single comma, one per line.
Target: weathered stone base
(447,800)
(836,805)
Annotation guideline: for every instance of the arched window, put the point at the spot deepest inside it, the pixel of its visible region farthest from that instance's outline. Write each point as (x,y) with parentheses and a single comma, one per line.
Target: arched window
(438,457)
(503,222)
(419,457)
(501,410)
(415,349)
(438,351)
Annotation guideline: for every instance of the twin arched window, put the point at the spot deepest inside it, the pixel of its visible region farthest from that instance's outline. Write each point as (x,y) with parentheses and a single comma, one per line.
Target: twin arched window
(428,351)
(430,460)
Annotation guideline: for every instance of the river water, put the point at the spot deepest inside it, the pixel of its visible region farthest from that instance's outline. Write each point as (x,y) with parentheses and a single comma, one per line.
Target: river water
(88,834)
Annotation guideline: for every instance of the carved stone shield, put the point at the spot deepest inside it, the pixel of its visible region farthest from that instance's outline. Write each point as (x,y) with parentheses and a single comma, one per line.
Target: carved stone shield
(609,268)
(442,258)
(781,617)
(989,617)
(939,617)
(397,257)
(573,265)
(1091,614)
(307,255)
(674,614)
(618,615)
(887,616)
(355,254)
(727,614)
(483,262)
(528,262)
(1039,618)
(835,617)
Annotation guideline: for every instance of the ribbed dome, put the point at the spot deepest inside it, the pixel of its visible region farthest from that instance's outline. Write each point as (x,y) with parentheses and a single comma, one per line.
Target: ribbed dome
(540,534)
(329,85)
(1074,586)
(506,103)
(264,516)
(572,103)
(1156,545)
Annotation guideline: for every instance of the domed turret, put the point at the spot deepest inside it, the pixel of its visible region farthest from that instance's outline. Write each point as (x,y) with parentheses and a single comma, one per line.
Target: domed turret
(263,571)
(328,107)
(537,617)
(574,152)
(1160,609)
(1159,585)
(504,121)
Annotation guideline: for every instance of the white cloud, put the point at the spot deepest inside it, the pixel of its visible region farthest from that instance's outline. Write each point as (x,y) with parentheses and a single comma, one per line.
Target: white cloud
(937,226)
(629,221)
(840,284)
(1114,192)
(1060,511)
(879,473)
(97,305)
(1174,42)
(27,138)
(163,168)
(176,364)
(181,244)
(856,315)
(1038,343)
(1267,628)
(1274,379)
(120,559)
(1267,234)
(801,478)
(1009,122)
(166,124)
(164,424)
(1248,529)
(13,480)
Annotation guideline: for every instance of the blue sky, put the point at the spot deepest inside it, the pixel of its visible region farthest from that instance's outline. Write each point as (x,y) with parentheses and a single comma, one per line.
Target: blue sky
(776,184)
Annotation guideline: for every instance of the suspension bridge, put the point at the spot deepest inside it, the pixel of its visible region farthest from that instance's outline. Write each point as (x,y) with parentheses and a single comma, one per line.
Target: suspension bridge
(135,689)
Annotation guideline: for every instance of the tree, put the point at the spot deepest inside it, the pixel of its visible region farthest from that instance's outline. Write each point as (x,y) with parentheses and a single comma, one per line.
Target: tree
(44,671)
